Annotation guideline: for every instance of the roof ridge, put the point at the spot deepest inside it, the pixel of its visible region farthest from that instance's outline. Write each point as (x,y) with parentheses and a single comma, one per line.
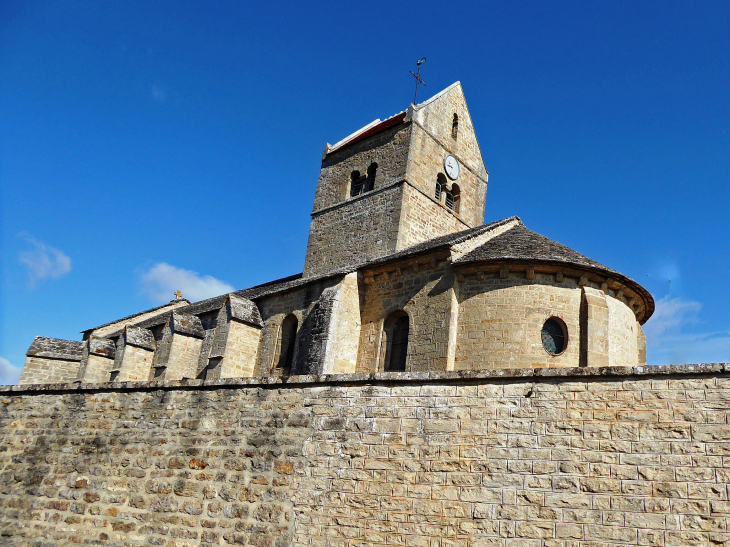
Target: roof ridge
(136,314)
(438,95)
(464,247)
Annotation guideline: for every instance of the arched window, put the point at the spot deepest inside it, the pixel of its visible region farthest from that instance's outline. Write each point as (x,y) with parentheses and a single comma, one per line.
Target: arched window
(356,184)
(440,186)
(286,344)
(449,200)
(456,194)
(370,183)
(395,342)
(455,126)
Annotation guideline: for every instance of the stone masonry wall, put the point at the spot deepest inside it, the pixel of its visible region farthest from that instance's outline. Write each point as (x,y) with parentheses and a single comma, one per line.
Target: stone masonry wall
(432,141)
(518,458)
(500,322)
(274,310)
(362,229)
(424,291)
(42,370)
(389,149)
(423,218)
(427,161)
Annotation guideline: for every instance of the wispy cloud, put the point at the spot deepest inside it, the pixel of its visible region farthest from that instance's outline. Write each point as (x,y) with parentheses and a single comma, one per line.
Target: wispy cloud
(9,374)
(669,338)
(43,261)
(162,280)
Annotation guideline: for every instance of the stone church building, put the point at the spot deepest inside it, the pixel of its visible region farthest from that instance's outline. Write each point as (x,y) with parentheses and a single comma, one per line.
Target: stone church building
(400,274)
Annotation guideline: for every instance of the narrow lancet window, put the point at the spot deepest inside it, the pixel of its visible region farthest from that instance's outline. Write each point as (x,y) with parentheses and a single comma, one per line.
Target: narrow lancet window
(395,342)
(456,196)
(356,184)
(286,344)
(449,200)
(455,126)
(370,183)
(440,187)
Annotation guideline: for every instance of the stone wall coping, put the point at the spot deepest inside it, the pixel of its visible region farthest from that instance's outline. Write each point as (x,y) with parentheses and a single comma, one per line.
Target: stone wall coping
(538,374)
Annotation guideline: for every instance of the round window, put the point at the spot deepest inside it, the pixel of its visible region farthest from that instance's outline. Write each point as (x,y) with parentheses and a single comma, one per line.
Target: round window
(554,336)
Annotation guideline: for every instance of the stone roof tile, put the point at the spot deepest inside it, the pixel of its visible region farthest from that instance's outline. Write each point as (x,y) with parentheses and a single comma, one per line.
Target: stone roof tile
(519,243)
(102,347)
(137,336)
(161,307)
(55,348)
(185,323)
(244,310)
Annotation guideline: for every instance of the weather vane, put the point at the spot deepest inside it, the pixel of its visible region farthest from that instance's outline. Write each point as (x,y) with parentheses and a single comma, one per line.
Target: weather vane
(417,76)
(178,294)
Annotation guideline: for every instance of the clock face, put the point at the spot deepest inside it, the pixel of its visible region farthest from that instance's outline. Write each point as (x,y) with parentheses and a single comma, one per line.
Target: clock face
(452,167)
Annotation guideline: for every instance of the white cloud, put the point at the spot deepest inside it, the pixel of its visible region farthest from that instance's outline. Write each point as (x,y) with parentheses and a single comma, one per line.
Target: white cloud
(43,261)
(9,374)
(162,280)
(670,315)
(669,342)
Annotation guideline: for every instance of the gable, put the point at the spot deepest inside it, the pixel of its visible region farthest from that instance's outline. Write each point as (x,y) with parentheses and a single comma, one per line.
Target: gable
(436,117)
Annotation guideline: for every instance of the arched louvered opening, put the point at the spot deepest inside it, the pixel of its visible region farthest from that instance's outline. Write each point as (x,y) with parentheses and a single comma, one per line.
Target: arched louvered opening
(370,182)
(356,183)
(440,187)
(395,342)
(456,197)
(455,126)
(286,344)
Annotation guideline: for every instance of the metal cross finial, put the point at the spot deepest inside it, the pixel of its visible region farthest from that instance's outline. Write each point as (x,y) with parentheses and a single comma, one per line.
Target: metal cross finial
(178,294)
(417,76)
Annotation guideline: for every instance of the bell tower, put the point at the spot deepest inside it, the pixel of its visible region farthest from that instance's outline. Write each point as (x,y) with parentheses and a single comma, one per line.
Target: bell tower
(396,183)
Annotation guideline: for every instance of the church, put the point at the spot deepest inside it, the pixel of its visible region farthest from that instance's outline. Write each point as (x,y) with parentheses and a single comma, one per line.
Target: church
(401,274)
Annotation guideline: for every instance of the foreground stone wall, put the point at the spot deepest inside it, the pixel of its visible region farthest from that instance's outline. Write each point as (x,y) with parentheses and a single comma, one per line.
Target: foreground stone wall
(530,458)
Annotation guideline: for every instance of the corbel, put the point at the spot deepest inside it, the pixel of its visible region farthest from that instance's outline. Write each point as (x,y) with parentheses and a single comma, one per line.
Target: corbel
(559,277)
(504,273)
(583,281)
(530,274)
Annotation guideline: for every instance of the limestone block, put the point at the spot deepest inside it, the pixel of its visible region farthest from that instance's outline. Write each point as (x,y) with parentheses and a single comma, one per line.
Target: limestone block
(640,345)
(178,350)
(135,352)
(236,340)
(594,328)
(51,360)
(97,360)
(340,355)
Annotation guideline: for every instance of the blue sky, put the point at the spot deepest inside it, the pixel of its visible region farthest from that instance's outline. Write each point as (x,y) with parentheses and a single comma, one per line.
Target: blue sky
(150,146)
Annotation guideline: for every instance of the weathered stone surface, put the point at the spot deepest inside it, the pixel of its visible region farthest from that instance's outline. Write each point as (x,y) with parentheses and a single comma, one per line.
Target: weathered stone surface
(137,336)
(187,324)
(504,458)
(55,348)
(51,360)
(401,210)
(242,309)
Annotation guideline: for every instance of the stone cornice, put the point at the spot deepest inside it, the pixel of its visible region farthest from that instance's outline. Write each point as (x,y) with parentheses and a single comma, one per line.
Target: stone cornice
(616,285)
(388,378)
